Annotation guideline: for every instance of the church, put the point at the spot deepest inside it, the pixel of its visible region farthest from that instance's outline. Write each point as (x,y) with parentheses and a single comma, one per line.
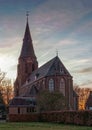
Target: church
(31,79)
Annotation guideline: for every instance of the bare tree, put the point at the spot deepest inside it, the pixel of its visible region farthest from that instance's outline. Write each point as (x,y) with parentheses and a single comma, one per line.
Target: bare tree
(83,94)
(2,76)
(7,90)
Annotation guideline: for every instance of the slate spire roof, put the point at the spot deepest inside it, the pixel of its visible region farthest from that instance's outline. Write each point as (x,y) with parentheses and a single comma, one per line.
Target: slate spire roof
(27,47)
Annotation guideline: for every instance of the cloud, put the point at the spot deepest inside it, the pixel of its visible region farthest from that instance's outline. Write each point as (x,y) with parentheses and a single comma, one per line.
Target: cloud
(85,70)
(58,16)
(59,20)
(87,84)
(10,47)
(66,42)
(62,16)
(9,52)
(9,42)
(80,66)
(81,61)
(82,27)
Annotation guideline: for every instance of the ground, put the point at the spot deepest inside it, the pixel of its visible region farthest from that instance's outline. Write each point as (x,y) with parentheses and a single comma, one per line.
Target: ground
(40,126)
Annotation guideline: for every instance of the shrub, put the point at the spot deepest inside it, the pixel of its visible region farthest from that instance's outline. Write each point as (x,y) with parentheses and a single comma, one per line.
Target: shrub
(67,117)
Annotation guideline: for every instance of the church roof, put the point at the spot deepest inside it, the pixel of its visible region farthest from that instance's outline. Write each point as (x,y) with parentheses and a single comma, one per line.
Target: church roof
(27,47)
(52,67)
(22,101)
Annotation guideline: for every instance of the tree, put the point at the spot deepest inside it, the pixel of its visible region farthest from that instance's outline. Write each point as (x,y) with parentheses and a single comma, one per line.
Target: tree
(1,98)
(2,107)
(83,94)
(2,76)
(47,101)
(7,90)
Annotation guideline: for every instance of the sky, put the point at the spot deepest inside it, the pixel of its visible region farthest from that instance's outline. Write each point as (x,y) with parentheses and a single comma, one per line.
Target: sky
(63,25)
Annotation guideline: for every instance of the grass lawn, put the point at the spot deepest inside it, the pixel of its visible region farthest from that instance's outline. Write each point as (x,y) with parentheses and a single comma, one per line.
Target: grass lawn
(40,126)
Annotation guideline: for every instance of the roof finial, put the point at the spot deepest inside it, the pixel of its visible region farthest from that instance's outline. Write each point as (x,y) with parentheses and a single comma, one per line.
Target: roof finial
(27,14)
(56,52)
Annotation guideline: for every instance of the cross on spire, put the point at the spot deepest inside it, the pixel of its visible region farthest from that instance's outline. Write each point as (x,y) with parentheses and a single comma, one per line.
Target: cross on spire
(27,14)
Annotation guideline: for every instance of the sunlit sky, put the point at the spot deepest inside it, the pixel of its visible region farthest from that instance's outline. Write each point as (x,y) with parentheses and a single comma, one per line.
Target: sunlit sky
(63,25)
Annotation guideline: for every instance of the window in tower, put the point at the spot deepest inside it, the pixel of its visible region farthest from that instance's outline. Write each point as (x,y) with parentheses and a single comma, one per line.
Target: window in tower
(51,85)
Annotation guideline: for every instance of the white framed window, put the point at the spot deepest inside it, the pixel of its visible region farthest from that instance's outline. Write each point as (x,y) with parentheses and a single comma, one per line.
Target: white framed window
(51,85)
(62,86)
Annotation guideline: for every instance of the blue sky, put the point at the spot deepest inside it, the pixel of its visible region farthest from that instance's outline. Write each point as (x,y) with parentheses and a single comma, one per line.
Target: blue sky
(63,25)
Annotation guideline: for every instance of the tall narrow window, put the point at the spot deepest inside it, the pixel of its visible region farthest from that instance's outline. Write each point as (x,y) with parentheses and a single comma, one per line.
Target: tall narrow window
(62,86)
(51,85)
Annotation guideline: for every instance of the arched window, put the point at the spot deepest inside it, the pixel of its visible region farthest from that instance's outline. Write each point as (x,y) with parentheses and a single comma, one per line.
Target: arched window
(62,86)
(51,85)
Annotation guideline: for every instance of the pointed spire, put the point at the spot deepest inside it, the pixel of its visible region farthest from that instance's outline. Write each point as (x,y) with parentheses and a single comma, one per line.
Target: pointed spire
(27,47)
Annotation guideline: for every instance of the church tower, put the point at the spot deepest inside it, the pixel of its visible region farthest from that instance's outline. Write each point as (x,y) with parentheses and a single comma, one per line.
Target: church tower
(27,62)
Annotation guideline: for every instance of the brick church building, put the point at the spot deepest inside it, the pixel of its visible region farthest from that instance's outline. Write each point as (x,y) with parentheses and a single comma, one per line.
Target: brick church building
(31,79)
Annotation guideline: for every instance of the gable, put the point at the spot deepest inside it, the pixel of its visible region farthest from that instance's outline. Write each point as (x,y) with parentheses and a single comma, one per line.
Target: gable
(58,68)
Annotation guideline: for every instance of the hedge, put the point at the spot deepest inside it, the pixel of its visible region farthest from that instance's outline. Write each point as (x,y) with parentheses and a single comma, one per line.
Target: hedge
(66,117)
